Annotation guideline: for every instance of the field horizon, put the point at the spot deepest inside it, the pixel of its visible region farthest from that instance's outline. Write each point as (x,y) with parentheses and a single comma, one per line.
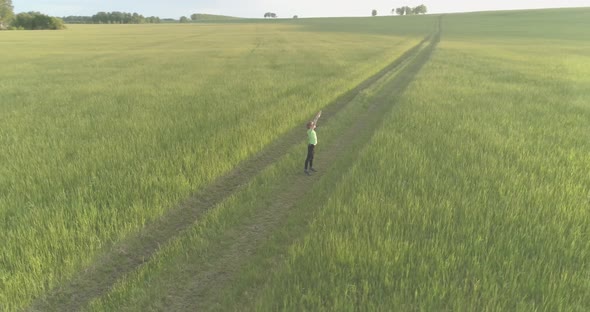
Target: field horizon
(216,17)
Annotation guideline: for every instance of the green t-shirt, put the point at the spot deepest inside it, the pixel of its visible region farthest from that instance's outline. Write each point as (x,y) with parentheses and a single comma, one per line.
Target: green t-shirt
(312,138)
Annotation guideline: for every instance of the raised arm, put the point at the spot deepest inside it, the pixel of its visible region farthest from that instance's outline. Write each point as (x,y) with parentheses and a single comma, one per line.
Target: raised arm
(315,119)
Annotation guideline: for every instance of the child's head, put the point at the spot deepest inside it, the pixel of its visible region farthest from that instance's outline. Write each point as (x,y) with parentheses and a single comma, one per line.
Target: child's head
(310,125)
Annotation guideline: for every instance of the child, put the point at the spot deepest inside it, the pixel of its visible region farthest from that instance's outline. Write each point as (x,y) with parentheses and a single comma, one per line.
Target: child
(312,140)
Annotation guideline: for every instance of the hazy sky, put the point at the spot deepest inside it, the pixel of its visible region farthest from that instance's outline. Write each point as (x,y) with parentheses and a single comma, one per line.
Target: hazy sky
(283,8)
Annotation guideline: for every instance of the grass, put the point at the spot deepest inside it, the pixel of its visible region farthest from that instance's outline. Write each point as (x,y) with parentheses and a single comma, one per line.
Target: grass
(472,194)
(105,128)
(524,26)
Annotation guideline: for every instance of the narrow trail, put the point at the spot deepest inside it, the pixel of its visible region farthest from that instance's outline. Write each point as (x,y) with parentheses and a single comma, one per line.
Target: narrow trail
(123,258)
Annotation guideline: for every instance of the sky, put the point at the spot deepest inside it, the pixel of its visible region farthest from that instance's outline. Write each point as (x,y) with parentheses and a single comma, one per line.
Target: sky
(283,8)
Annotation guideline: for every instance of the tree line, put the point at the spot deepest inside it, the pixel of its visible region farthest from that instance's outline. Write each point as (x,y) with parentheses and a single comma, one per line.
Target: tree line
(129,18)
(406,10)
(112,18)
(36,21)
(116,17)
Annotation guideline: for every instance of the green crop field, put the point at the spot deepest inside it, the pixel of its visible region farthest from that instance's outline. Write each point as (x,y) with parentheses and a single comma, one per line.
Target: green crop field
(159,167)
(105,128)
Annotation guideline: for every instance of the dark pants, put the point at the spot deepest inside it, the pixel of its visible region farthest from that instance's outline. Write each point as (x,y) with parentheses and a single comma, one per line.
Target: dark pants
(309,159)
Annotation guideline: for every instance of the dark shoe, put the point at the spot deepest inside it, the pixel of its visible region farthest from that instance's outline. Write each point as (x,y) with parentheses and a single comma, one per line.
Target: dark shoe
(312,169)
(307,172)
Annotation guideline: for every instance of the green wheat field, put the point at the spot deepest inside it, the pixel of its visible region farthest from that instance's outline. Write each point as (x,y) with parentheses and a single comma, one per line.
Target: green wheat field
(467,190)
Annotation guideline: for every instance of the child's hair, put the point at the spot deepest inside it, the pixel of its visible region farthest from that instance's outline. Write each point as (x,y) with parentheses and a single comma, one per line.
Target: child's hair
(309,125)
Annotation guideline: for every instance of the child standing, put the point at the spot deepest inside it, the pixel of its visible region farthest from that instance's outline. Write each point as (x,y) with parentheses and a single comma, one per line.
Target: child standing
(312,140)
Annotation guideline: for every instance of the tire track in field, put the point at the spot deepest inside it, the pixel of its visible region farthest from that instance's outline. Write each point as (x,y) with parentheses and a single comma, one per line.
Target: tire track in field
(126,256)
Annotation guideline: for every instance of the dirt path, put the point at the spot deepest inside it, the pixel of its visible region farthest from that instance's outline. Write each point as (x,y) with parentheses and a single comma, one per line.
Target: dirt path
(127,256)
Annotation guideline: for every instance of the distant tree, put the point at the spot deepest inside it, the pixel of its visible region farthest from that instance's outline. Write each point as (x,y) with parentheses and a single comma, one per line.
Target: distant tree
(405,10)
(56,23)
(267,14)
(100,18)
(270,14)
(374,12)
(6,13)
(117,17)
(23,21)
(183,19)
(295,16)
(137,19)
(421,9)
(153,20)
(194,16)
